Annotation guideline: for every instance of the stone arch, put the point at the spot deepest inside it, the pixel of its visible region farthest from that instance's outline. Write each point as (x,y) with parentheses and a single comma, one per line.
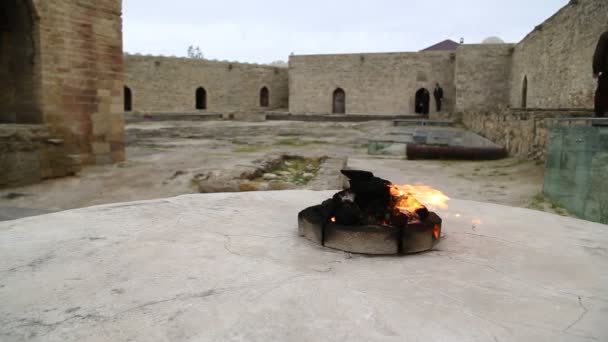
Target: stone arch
(524,92)
(339,101)
(128,99)
(264,97)
(201,98)
(422,101)
(19,63)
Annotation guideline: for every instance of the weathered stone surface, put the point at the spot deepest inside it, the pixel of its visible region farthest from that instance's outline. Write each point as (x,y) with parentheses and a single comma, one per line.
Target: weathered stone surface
(556,58)
(232,267)
(373,240)
(28,155)
(482,75)
(170,84)
(76,48)
(524,133)
(391,81)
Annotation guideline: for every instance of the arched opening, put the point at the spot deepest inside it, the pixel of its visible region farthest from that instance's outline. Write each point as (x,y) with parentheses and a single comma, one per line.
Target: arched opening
(264,97)
(339,101)
(524,93)
(19,63)
(422,101)
(201,98)
(128,100)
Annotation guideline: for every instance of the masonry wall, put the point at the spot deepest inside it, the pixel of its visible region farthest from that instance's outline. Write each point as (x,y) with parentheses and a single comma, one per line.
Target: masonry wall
(82,76)
(29,154)
(524,133)
(164,84)
(374,83)
(61,68)
(482,76)
(556,58)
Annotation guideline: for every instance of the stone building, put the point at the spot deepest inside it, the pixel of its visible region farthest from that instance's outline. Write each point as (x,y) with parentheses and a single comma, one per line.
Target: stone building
(65,84)
(549,69)
(61,87)
(165,84)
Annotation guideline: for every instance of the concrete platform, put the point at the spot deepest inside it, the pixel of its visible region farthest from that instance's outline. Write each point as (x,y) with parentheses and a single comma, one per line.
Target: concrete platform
(231,267)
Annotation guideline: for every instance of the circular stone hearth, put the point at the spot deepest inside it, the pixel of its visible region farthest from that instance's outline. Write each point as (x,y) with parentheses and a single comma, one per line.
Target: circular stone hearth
(370,239)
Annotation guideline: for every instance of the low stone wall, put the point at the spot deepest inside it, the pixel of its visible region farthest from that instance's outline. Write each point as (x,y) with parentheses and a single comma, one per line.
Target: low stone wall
(524,133)
(28,154)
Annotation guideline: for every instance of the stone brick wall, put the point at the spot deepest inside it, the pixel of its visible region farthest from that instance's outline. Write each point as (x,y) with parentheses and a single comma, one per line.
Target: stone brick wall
(61,66)
(556,58)
(482,76)
(524,133)
(28,154)
(164,84)
(374,83)
(82,75)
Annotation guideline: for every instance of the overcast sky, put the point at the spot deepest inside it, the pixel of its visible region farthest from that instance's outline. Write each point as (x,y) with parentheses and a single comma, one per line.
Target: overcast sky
(265,31)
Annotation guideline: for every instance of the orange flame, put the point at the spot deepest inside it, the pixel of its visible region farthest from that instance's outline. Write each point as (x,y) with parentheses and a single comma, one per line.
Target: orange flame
(414,197)
(476,222)
(436,232)
(333,219)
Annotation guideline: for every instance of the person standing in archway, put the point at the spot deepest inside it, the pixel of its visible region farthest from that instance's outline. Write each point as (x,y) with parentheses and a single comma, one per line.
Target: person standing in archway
(600,72)
(426,98)
(438,94)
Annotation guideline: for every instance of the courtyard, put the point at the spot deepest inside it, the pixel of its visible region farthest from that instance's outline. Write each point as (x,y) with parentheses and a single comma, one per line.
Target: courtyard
(164,159)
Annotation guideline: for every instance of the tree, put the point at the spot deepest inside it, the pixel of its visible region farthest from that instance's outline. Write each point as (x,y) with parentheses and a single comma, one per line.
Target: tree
(195,52)
(280,64)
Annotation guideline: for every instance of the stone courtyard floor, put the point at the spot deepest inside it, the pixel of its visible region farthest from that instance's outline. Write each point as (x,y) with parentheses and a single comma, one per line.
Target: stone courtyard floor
(231,267)
(164,157)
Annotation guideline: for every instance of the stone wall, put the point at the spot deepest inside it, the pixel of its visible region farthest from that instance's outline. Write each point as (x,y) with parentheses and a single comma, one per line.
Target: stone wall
(29,154)
(482,76)
(556,58)
(61,67)
(82,75)
(374,83)
(164,84)
(524,133)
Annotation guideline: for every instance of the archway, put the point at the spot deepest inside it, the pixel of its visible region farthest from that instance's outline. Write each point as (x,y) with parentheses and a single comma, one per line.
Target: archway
(422,101)
(524,93)
(201,98)
(339,101)
(128,100)
(19,63)
(264,97)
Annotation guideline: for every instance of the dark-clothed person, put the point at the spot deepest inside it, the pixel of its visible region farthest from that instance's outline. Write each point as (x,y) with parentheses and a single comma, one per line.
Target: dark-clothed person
(438,93)
(600,71)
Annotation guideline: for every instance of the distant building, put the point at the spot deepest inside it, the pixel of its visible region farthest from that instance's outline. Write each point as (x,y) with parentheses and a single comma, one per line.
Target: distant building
(446,45)
(493,40)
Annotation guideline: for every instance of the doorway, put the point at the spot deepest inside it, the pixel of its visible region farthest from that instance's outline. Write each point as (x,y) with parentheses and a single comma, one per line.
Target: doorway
(339,101)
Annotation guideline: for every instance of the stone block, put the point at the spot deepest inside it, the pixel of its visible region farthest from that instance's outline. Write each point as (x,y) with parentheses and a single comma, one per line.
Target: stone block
(101,148)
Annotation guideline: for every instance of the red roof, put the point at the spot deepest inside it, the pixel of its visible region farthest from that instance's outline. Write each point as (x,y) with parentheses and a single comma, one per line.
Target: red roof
(446,45)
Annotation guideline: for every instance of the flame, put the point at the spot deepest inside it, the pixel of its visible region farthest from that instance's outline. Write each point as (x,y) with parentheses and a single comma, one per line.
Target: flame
(333,219)
(414,197)
(436,232)
(476,222)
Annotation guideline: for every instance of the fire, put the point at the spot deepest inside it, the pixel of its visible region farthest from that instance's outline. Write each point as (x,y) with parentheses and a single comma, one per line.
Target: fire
(436,232)
(476,222)
(333,219)
(414,197)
